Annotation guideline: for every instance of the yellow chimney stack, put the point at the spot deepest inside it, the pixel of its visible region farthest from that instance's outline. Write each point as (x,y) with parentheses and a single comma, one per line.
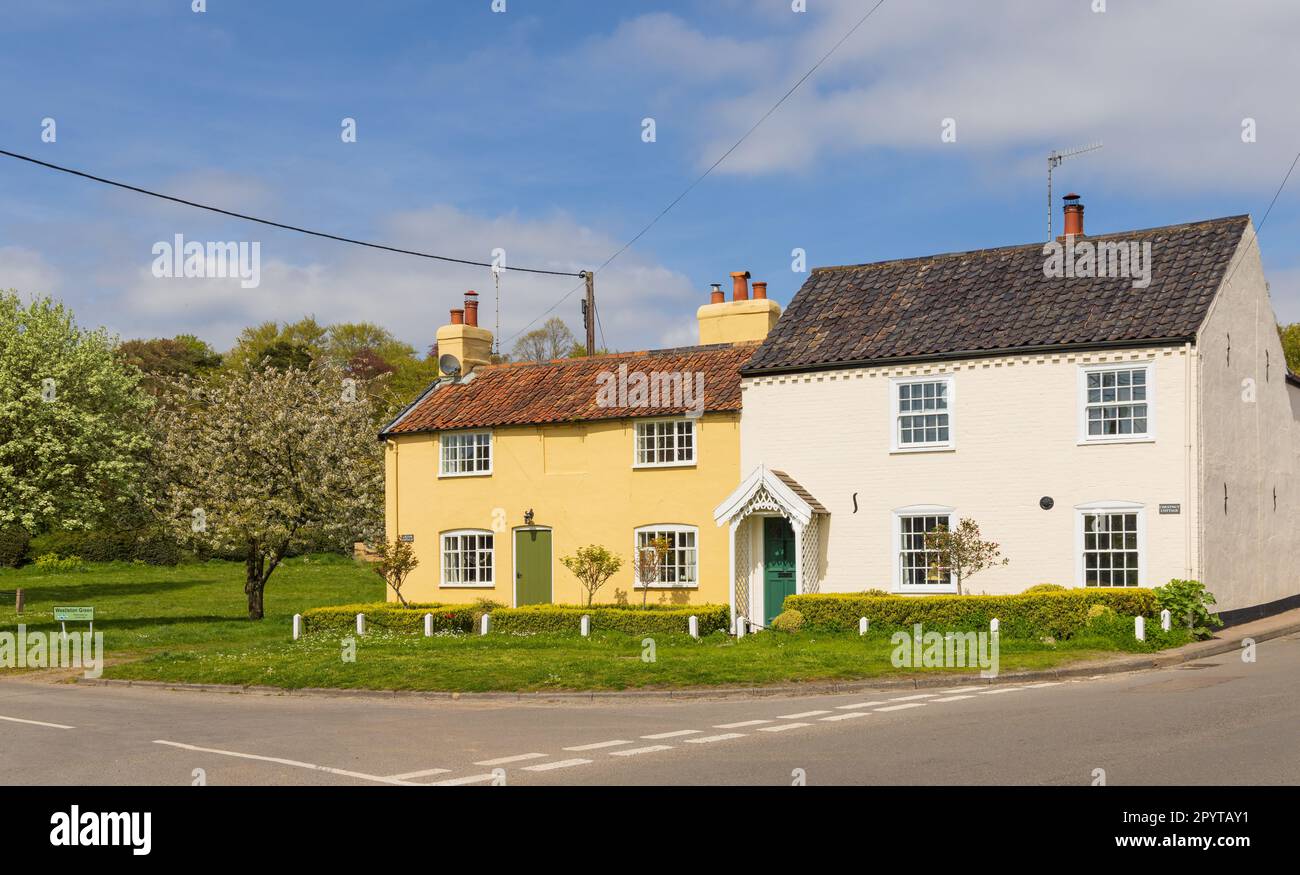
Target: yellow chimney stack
(742,318)
(464,339)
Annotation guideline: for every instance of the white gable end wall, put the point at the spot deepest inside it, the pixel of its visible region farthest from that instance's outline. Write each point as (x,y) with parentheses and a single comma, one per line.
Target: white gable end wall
(1250,442)
(1016,432)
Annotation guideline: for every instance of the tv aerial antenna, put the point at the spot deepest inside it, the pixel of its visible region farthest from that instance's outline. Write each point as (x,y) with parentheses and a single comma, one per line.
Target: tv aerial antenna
(1054,160)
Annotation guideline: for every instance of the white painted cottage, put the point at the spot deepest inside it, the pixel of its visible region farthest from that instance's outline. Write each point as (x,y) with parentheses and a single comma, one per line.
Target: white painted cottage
(1104,429)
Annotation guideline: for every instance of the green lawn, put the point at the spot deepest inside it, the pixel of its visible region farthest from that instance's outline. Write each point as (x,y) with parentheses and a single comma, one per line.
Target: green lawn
(189,624)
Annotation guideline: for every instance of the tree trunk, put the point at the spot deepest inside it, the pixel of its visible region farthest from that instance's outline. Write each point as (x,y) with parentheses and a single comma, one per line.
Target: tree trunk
(254,580)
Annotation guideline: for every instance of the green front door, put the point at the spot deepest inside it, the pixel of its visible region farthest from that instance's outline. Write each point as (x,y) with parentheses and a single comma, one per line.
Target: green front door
(778,565)
(532,567)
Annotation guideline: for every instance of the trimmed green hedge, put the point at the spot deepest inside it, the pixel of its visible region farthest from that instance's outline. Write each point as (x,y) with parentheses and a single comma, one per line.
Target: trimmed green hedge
(1032,615)
(151,545)
(650,620)
(391,617)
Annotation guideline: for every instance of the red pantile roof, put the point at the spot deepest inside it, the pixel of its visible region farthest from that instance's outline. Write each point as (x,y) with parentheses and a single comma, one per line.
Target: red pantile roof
(569,390)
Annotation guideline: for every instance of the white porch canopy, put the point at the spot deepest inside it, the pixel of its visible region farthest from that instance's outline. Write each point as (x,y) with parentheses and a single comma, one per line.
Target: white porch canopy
(767,492)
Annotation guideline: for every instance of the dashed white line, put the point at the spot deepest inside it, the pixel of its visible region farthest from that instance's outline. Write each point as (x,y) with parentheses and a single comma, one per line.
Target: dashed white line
(847,715)
(903,707)
(709,739)
(678,734)
(912,698)
(782,727)
(636,751)
(501,761)
(423,773)
(597,746)
(284,762)
(38,723)
(558,764)
(456,782)
(801,715)
(963,689)
(860,705)
(954,698)
(996,690)
(741,723)
(1043,684)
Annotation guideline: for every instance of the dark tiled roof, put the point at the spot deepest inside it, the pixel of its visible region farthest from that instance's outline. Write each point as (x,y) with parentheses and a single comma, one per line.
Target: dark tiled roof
(798,490)
(991,300)
(566,390)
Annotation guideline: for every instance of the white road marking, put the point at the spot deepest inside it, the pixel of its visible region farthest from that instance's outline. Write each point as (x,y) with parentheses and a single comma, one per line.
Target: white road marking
(678,734)
(782,727)
(847,715)
(1044,684)
(708,739)
(558,764)
(801,715)
(640,750)
(598,745)
(903,707)
(456,782)
(38,723)
(501,761)
(912,698)
(997,690)
(741,723)
(284,762)
(405,776)
(953,698)
(963,689)
(860,705)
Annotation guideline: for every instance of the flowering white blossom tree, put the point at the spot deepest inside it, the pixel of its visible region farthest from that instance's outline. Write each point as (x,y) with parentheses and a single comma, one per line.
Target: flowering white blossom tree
(259,459)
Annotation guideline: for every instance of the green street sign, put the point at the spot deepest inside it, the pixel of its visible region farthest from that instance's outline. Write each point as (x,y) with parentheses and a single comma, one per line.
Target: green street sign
(74,615)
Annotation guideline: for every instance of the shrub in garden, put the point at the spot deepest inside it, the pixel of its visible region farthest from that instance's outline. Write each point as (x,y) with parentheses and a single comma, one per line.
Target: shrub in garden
(1187,602)
(1044,587)
(1101,615)
(14,543)
(788,620)
(51,562)
(148,544)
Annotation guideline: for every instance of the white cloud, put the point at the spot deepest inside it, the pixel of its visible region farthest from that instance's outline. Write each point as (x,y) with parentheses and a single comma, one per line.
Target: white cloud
(27,271)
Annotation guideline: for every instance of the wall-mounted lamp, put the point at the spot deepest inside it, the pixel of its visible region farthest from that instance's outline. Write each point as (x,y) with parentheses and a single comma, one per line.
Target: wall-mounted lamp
(528,517)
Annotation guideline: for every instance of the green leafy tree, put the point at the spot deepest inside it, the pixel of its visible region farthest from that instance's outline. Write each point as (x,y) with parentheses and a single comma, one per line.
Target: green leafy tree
(270,460)
(346,340)
(1290,337)
(164,360)
(593,565)
(963,550)
(291,344)
(74,435)
(396,561)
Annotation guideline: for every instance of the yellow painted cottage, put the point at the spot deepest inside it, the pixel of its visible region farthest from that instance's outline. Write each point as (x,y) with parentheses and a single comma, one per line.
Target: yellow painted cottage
(498,470)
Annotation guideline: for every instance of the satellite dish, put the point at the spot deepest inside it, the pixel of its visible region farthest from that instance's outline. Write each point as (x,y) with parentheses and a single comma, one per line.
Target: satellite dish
(449,364)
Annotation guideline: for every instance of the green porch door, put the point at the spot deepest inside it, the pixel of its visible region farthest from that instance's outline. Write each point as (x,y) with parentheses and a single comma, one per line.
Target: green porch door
(532,567)
(778,565)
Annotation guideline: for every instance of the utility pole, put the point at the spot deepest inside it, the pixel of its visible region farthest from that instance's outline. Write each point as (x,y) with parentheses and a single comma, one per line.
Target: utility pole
(589,311)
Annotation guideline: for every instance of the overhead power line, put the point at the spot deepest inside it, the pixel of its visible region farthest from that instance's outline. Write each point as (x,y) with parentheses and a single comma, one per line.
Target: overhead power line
(247,218)
(714,166)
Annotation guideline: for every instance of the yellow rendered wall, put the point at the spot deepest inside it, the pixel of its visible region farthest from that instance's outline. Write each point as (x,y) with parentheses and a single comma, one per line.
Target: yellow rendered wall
(579,481)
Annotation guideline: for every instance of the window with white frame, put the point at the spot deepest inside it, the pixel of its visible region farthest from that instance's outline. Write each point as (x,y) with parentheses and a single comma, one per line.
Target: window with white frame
(679,565)
(1111,548)
(1116,403)
(467,559)
(920,567)
(665,442)
(922,413)
(465,453)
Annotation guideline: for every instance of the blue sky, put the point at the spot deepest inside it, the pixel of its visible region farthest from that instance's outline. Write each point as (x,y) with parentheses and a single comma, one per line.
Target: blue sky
(522,130)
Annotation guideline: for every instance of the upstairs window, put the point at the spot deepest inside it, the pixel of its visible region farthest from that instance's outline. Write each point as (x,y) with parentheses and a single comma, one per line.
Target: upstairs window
(922,413)
(665,442)
(1117,403)
(465,453)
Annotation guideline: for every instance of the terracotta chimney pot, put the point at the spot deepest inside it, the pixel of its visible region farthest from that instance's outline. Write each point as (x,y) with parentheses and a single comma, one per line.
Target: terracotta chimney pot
(740,285)
(457,317)
(471,308)
(760,291)
(716,295)
(1073,216)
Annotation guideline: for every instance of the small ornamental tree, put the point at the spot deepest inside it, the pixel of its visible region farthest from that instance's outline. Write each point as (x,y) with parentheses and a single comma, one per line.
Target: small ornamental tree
(267,460)
(963,550)
(649,562)
(592,565)
(396,561)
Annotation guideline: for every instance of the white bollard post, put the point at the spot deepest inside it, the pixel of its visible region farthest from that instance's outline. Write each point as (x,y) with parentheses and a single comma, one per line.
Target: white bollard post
(741,624)
(428,625)
(863,625)
(693,626)
(994,625)
(485,624)
(584,626)
(1165,619)
(361,624)
(1140,628)
(297,626)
